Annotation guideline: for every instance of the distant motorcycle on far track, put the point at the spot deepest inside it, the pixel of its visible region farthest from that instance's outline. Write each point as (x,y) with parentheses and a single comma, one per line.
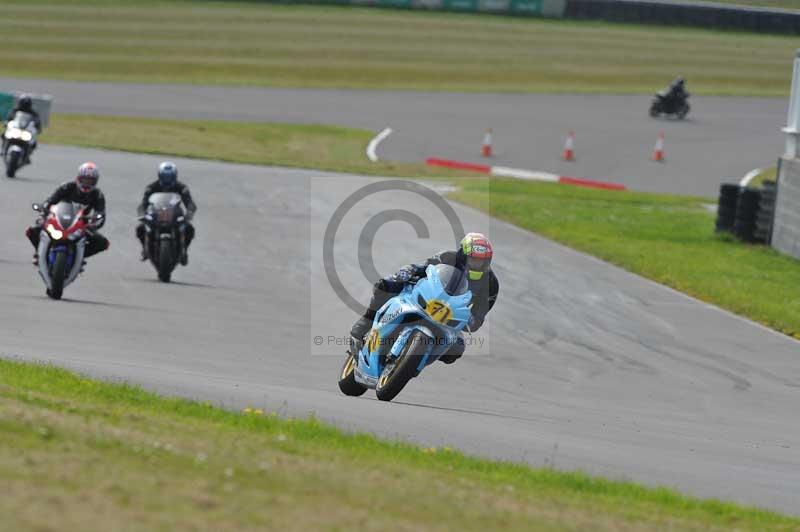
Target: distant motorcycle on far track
(665,104)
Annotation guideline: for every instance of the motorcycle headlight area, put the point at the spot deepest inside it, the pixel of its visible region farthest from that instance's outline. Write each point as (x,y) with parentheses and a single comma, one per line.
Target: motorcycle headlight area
(26,136)
(13,133)
(54,233)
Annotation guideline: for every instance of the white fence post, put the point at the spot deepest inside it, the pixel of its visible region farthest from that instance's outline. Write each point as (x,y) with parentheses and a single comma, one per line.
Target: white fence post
(792,128)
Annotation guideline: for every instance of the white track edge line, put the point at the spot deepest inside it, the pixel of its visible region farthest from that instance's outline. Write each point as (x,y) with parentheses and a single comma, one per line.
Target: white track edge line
(749,176)
(503,171)
(373,144)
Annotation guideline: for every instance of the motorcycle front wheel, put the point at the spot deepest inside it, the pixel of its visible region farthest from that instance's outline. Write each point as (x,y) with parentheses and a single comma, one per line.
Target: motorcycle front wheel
(347,378)
(654,111)
(684,111)
(396,375)
(166,261)
(12,163)
(57,274)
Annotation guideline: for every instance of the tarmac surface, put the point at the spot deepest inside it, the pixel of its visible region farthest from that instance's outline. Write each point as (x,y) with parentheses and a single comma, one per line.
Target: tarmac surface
(582,365)
(722,139)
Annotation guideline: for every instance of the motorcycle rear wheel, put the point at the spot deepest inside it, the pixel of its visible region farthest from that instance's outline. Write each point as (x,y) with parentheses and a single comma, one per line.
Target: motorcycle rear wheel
(57,274)
(347,378)
(166,261)
(394,378)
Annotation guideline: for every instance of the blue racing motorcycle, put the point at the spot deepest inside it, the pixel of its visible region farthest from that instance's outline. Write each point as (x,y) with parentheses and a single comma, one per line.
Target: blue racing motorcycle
(411,331)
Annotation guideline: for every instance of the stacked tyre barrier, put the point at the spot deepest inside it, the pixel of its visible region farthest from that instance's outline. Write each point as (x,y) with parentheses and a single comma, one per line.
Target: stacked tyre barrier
(766,213)
(747,213)
(744,226)
(726,211)
(687,13)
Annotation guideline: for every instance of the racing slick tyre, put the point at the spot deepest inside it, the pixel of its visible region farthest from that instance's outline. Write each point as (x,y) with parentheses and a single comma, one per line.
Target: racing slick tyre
(12,163)
(57,274)
(347,378)
(396,376)
(165,261)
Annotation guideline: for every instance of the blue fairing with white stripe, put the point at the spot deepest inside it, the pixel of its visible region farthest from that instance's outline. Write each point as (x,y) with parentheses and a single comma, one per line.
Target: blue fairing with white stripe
(426,307)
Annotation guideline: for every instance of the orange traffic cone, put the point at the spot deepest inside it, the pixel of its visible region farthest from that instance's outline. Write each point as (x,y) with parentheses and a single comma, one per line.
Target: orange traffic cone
(569,147)
(658,151)
(486,147)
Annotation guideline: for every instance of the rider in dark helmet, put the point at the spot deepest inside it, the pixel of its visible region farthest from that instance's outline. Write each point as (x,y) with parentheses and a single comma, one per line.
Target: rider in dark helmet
(474,256)
(25,105)
(168,182)
(676,91)
(82,190)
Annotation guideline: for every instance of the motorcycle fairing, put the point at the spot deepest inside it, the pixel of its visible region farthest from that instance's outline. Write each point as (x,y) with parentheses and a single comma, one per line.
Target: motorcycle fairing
(425,307)
(75,253)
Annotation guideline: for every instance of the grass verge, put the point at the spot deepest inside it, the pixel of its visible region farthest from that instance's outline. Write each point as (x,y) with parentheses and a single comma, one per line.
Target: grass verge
(333,148)
(252,43)
(669,239)
(141,461)
(768,174)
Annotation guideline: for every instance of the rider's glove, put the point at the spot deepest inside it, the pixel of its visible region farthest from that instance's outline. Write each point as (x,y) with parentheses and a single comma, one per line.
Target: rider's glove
(96,221)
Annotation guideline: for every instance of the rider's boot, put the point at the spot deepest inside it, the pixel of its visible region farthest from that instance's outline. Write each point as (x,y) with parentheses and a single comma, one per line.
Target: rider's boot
(35,259)
(184,257)
(355,345)
(144,256)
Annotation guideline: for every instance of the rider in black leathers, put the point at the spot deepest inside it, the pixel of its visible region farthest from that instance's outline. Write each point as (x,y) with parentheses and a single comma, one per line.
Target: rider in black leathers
(82,190)
(676,92)
(474,256)
(168,182)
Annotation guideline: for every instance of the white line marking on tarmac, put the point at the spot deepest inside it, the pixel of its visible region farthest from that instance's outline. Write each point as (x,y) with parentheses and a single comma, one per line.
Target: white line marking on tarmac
(749,177)
(502,171)
(373,144)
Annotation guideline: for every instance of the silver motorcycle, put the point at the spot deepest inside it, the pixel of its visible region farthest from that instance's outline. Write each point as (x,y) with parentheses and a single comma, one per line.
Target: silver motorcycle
(19,140)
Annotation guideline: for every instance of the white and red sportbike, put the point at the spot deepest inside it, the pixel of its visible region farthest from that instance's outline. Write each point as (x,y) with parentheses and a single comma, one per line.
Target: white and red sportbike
(62,244)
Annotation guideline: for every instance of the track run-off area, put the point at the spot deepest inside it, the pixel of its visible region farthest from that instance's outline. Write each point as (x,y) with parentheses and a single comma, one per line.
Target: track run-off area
(582,365)
(722,139)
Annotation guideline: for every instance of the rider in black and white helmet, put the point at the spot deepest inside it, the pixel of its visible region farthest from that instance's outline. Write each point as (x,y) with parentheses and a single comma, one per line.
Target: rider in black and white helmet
(168,182)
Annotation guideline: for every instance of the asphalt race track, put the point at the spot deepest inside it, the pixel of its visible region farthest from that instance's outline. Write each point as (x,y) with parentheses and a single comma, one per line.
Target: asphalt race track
(583,365)
(722,140)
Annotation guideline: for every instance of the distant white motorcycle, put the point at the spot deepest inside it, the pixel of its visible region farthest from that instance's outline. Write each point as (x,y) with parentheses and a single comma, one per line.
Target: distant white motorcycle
(19,139)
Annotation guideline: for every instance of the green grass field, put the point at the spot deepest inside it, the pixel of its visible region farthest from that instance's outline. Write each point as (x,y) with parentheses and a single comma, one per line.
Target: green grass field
(669,239)
(313,46)
(78,454)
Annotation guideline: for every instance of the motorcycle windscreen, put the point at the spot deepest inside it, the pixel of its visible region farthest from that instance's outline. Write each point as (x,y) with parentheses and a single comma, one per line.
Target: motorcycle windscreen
(65,212)
(431,294)
(165,206)
(22,119)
